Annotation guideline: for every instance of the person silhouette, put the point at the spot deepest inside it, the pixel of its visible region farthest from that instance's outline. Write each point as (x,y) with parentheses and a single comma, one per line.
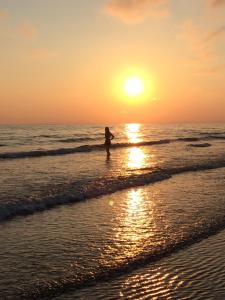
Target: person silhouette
(108,137)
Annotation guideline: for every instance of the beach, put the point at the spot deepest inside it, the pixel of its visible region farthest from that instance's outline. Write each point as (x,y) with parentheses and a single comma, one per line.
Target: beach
(146,223)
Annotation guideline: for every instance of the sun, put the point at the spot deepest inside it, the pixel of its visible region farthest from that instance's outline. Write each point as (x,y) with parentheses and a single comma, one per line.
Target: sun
(134,86)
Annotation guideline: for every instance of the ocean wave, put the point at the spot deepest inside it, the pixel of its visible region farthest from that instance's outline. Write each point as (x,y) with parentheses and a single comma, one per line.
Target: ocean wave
(187,139)
(48,135)
(86,148)
(200,145)
(97,147)
(102,186)
(212,133)
(63,284)
(51,152)
(216,137)
(77,139)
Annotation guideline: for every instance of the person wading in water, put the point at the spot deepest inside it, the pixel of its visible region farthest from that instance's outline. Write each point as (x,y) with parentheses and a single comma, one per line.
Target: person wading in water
(108,137)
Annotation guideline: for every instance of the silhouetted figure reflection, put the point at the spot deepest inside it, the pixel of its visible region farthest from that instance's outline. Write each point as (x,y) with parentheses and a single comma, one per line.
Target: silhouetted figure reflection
(108,137)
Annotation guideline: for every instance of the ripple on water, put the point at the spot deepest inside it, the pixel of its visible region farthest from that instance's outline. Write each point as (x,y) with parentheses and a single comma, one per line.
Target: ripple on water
(196,273)
(88,240)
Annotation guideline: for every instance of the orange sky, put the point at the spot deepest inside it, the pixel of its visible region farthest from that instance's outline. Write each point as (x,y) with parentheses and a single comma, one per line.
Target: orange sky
(61,61)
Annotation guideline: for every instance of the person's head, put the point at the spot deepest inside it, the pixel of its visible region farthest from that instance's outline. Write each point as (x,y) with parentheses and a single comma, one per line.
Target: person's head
(106,129)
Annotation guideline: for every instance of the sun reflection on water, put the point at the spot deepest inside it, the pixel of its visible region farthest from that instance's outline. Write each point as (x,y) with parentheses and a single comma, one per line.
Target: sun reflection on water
(138,232)
(133,133)
(154,283)
(136,158)
(135,212)
(135,224)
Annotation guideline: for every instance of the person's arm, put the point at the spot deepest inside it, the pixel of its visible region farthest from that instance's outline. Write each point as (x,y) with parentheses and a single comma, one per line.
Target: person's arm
(112,136)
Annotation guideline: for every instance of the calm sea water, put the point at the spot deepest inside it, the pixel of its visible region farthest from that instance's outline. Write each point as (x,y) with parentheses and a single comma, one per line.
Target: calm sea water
(161,191)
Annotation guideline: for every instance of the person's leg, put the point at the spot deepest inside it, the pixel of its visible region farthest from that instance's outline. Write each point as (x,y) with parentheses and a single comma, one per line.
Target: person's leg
(107,150)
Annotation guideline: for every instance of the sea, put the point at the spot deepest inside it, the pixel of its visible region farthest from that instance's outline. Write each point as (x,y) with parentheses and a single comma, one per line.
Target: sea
(148,222)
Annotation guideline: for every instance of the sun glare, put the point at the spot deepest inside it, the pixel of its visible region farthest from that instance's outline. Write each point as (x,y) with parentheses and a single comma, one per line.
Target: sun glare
(134,86)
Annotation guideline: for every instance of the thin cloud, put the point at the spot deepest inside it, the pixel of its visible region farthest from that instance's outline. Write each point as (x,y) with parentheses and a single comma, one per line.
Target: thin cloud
(43,54)
(216,33)
(136,11)
(202,47)
(27,29)
(195,41)
(3,15)
(217,3)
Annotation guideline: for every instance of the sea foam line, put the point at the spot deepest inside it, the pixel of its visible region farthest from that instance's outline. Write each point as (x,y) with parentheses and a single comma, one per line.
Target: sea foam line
(100,187)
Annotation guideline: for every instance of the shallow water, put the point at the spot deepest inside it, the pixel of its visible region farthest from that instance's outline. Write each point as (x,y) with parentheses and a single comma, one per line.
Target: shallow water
(145,203)
(37,183)
(194,273)
(78,245)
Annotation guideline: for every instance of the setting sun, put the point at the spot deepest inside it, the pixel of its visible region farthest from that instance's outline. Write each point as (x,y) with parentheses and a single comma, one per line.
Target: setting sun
(134,86)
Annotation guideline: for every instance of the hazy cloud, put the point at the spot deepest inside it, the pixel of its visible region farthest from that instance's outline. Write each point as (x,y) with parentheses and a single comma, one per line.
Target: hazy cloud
(3,14)
(43,54)
(216,33)
(202,47)
(195,41)
(27,30)
(217,2)
(136,11)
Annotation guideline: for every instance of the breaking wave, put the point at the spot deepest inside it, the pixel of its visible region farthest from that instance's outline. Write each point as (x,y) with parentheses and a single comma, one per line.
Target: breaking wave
(200,145)
(102,186)
(96,147)
(75,140)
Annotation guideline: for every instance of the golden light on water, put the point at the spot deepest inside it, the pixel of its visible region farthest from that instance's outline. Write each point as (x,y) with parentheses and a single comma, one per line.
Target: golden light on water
(136,158)
(134,208)
(155,282)
(135,221)
(133,132)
